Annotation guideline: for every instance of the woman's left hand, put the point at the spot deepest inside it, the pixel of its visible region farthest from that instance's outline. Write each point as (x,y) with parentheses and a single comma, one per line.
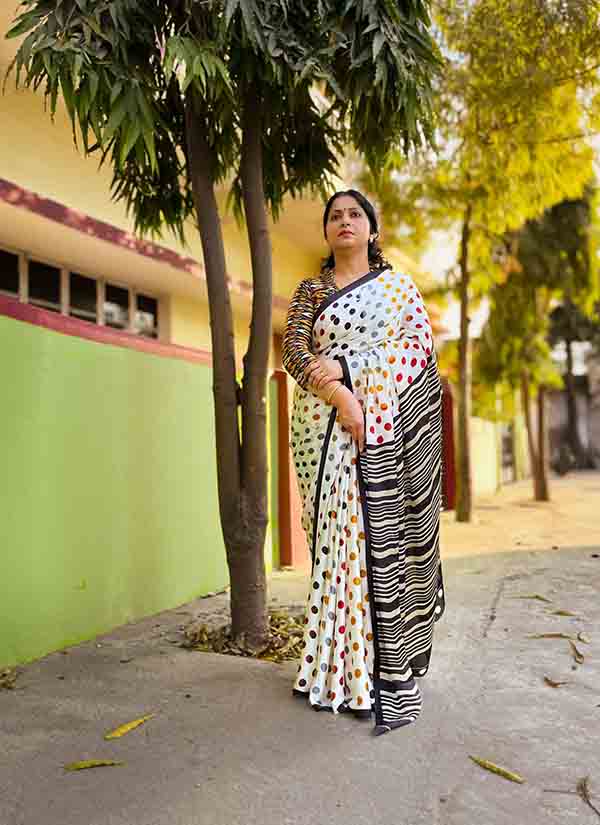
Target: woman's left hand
(323,371)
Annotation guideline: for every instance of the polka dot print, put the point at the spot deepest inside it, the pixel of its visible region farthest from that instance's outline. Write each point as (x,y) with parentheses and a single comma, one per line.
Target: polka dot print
(382,332)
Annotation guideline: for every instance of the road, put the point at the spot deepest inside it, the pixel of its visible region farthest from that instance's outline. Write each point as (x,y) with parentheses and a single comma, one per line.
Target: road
(230,746)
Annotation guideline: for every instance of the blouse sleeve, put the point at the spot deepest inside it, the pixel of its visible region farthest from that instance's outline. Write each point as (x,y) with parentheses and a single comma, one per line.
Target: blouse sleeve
(296,347)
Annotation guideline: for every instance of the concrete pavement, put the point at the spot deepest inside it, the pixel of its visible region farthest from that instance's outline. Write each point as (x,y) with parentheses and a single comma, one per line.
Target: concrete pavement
(230,746)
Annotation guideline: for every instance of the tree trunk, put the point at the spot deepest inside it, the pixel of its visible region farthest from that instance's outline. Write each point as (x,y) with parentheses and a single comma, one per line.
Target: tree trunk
(538,453)
(243,531)
(464,497)
(542,491)
(526,405)
(221,319)
(572,428)
(249,603)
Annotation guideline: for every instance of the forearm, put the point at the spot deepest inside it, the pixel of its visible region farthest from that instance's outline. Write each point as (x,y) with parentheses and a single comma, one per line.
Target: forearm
(296,352)
(333,393)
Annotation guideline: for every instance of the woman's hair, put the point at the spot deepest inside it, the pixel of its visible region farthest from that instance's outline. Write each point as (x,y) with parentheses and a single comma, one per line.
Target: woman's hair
(376,259)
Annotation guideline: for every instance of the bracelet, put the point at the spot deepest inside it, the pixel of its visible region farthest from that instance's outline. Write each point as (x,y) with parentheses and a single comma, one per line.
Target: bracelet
(332,393)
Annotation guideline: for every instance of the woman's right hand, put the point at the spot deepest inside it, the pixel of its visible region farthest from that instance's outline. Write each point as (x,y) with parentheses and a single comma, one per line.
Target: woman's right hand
(351,416)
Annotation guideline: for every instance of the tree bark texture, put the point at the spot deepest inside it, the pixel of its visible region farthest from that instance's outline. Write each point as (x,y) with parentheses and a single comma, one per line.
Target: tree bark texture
(536,441)
(542,489)
(249,604)
(241,473)
(464,504)
(221,318)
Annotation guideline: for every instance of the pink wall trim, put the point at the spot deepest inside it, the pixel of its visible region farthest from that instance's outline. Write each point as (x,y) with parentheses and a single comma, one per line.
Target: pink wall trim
(16,195)
(13,308)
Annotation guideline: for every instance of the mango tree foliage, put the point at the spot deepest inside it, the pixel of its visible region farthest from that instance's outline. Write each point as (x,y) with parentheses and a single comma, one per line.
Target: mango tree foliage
(180,96)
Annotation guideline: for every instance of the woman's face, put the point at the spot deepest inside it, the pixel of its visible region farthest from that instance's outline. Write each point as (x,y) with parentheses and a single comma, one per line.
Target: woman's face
(347,225)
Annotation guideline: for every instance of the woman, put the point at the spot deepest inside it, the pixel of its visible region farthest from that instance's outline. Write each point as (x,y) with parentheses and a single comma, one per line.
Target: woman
(366,440)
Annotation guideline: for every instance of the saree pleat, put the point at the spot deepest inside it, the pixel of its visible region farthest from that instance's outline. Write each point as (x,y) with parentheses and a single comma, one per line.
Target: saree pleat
(372,520)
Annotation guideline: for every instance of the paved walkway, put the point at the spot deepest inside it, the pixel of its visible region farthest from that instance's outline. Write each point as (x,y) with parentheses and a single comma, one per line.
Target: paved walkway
(230,746)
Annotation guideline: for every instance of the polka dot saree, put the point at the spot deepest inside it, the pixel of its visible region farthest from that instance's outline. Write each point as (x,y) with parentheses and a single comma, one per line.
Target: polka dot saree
(372,519)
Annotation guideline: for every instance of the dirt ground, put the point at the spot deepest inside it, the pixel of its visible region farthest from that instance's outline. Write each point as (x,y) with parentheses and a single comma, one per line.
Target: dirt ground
(512,520)
(515,680)
(509,521)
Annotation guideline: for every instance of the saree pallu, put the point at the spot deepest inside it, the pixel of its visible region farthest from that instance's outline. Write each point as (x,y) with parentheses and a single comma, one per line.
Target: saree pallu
(372,519)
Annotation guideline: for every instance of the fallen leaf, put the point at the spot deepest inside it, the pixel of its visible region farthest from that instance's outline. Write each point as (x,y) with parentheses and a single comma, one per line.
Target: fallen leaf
(558,790)
(283,643)
(563,613)
(584,792)
(534,596)
(552,683)
(128,726)
(577,654)
(490,766)
(8,678)
(550,636)
(583,638)
(91,763)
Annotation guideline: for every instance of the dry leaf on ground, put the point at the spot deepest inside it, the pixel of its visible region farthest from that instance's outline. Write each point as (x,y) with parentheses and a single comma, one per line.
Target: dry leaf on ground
(490,766)
(91,763)
(577,654)
(534,596)
(128,726)
(284,642)
(563,613)
(552,683)
(550,636)
(583,638)
(8,678)
(583,790)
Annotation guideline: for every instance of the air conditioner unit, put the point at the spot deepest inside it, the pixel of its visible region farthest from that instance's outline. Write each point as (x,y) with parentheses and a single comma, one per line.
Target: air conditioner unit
(115,314)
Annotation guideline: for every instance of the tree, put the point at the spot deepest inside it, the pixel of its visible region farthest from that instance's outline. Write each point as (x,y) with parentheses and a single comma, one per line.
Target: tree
(568,324)
(514,113)
(183,95)
(551,259)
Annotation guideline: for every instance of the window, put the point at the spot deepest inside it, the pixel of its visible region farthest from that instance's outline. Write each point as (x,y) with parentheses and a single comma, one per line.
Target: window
(116,307)
(44,286)
(55,289)
(83,298)
(9,273)
(146,316)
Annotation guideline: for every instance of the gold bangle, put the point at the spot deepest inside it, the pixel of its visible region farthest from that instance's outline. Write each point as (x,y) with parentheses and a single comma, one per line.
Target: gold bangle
(333,392)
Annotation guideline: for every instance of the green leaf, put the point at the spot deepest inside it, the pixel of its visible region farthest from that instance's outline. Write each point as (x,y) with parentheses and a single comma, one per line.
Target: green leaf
(145,108)
(27,22)
(68,93)
(149,141)
(378,42)
(94,81)
(129,137)
(115,92)
(117,115)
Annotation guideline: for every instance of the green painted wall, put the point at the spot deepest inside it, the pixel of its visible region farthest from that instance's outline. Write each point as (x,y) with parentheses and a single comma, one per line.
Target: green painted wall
(108,488)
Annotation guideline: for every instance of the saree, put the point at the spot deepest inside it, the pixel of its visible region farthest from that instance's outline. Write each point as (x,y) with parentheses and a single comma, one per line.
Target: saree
(372,518)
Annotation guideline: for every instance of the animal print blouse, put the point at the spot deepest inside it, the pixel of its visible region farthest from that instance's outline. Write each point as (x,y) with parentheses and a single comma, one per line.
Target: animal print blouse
(297,340)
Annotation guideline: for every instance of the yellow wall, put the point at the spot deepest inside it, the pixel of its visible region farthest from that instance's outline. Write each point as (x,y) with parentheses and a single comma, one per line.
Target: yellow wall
(48,164)
(485,457)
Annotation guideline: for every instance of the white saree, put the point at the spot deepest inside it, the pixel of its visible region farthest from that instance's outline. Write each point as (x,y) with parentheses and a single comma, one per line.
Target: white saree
(372,520)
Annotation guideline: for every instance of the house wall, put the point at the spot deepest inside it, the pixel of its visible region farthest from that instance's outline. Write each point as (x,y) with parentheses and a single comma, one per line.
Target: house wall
(593,366)
(485,456)
(108,487)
